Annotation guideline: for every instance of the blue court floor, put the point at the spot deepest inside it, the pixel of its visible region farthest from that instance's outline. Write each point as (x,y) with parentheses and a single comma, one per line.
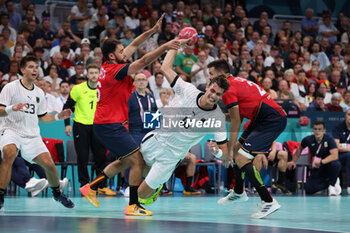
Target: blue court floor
(176,214)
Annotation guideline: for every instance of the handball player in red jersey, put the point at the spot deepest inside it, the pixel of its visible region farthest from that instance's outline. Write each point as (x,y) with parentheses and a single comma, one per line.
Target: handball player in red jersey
(246,99)
(114,88)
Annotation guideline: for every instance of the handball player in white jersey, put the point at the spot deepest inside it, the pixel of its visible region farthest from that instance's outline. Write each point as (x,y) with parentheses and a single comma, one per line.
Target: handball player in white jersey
(22,104)
(161,150)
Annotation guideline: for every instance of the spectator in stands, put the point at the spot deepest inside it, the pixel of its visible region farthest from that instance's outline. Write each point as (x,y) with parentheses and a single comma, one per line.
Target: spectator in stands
(324,152)
(164,98)
(166,34)
(113,8)
(309,26)
(199,72)
(51,103)
(4,61)
(284,87)
(292,59)
(267,84)
(326,47)
(319,56)
(5,23)
(336,80)
(65,40)
(330,68)
(255,37)
(184,61)
(132,21)
(261,22)
(318,104)
(311,92)
(33,32)
(13,69)
(271,58)
(99,21)
(327,29)
(115,25)
(15,17)
(346,104)
(53,78)
(341,134)
(334,105)
(21,7)
(47,35)
(57,60)
(30,15)
(321,87)
(78,69)
(159,84)
(215,19)
(63,94)
(95,6)
(299,90)
(79,16)
(209,34)
(67,30)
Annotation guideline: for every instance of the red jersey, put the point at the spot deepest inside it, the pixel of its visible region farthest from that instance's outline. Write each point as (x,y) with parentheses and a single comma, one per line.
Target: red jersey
(113,91)
(248,96)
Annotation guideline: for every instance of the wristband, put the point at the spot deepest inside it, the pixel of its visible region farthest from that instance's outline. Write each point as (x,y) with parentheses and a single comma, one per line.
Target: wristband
(321,163)
(218,154)
(9,109)
(56,117)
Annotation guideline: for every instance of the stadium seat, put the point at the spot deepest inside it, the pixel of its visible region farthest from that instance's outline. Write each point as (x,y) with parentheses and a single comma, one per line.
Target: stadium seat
(303,162)
(71,160)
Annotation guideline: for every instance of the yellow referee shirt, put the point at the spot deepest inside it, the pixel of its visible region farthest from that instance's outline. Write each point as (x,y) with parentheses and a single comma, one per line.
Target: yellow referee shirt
(85,99)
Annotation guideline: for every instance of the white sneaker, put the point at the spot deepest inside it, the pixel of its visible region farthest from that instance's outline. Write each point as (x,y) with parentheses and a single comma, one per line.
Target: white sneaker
(63,184)
(331,191)
(348,189)
(232,198)
(266,208)
(337,187)
(34,184)
(39,187)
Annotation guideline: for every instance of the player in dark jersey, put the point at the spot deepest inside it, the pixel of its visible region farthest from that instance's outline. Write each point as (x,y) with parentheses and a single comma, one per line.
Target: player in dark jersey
(113,91)
(246,99)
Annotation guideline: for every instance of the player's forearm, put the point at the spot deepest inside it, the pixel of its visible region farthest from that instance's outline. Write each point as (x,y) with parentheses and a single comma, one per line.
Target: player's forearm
(167,66)
(333,156)
(150,57)
(47,118)
(3,113)
(130,49)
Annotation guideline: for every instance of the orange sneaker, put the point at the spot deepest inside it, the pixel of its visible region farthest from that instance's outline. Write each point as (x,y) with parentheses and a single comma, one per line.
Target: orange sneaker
(89,194)
(106,191)
(191,191)
(137,210)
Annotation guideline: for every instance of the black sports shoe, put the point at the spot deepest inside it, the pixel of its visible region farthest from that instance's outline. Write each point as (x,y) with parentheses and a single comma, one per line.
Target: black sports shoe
(65,201)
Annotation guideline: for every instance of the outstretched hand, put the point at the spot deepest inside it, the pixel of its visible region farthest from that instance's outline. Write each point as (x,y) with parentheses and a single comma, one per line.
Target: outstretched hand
(66,113)
(158,25)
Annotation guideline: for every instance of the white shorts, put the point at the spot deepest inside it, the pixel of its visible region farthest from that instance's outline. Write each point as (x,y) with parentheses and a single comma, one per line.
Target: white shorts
(30,147)
(162,162)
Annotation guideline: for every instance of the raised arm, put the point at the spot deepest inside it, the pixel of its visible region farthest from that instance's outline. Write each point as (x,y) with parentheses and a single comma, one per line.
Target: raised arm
(150,57)
(131,48)
(167,66)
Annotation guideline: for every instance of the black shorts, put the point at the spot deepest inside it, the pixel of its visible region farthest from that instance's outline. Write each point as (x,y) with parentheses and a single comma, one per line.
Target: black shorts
(117,139)
(260,134)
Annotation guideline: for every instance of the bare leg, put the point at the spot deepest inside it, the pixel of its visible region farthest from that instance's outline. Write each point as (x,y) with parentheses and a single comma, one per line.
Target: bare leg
(46,162)
(9,154)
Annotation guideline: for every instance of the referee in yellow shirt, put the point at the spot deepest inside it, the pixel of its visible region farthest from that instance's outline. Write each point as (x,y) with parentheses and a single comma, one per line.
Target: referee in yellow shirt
(82,100)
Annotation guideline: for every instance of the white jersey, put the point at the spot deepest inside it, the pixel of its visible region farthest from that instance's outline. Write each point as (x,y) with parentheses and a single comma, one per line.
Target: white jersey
(186,100)
(24,123)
